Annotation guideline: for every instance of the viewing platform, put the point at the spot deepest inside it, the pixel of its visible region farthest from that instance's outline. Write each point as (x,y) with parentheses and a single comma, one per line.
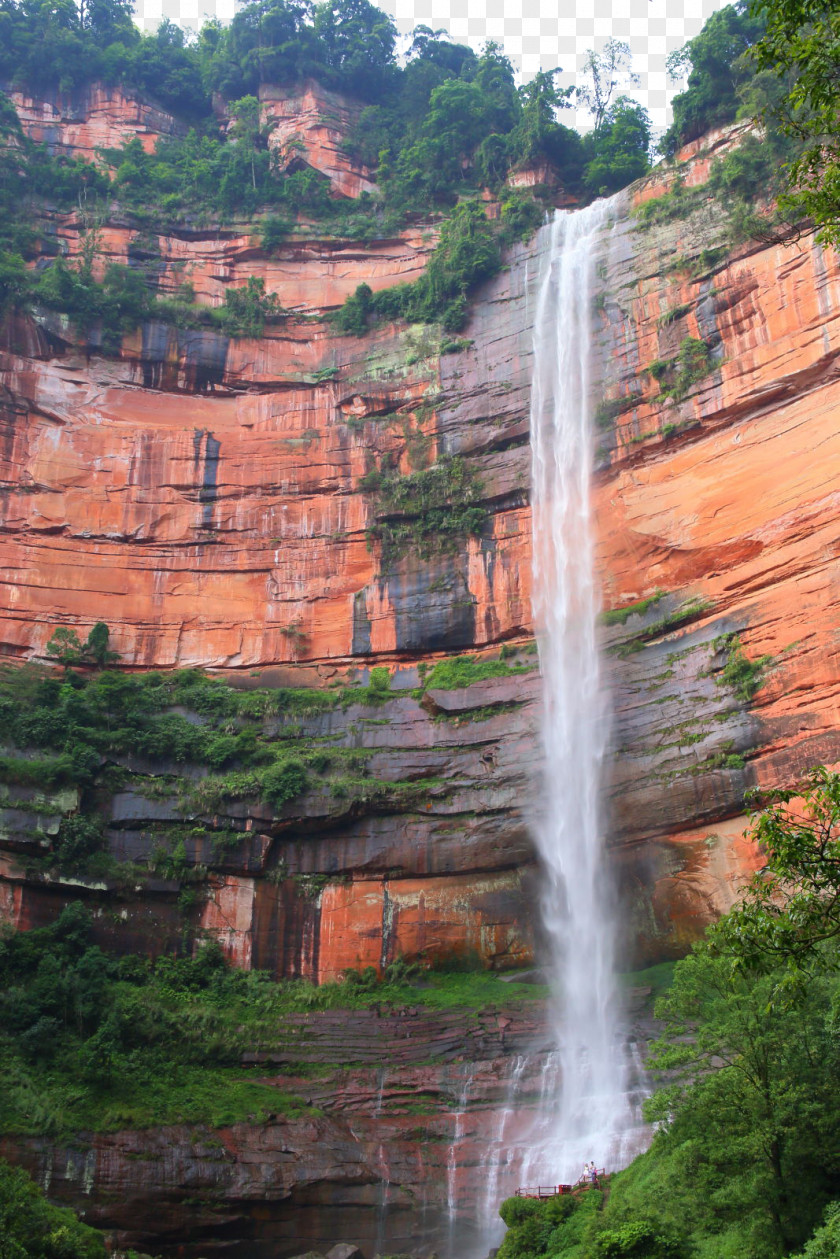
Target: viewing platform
(556,1191)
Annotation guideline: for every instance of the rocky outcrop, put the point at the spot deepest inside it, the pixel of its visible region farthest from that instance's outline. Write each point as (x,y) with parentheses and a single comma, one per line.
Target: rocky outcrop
(84,122)
(309,127)
(202,496)
(398,1142)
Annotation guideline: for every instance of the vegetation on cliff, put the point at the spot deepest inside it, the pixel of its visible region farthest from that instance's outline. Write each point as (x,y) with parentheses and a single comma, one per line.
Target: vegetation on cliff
(719,70)
(744,1160)
(32,1228)
(78,739)
(97,1042)
(800,49)
(184,736)
(777,64)
(436,129)
(424,513)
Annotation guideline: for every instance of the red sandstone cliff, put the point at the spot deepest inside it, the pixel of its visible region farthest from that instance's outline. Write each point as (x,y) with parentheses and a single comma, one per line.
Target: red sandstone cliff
(201,496)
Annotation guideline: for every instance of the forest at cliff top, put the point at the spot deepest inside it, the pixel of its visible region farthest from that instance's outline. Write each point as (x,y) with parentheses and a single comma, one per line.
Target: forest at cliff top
(435,128)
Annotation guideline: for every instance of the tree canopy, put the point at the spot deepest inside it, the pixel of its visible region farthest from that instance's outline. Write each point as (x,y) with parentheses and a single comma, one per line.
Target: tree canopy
(718,69)
(31,1228)
(800,45)
(744,1159)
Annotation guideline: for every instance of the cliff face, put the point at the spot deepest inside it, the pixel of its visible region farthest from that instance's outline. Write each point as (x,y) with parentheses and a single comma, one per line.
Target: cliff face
(390,1148)
(201,495)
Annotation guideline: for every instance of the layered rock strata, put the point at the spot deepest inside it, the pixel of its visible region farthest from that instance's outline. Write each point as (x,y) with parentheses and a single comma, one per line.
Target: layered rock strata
(202,496)
(403,1147)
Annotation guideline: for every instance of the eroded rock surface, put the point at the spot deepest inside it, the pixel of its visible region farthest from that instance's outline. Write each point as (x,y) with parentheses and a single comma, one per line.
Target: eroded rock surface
(202,496)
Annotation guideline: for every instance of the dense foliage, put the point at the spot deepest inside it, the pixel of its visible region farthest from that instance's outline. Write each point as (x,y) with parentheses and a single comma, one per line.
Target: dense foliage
(745,1160)
(92,1041)
(444,124)
(31,1228)
(444,119)
(719,68)
(800,47)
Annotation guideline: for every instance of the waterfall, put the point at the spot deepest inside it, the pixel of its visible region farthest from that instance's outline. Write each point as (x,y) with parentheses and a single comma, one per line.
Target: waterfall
(585,1113)
(576,1096)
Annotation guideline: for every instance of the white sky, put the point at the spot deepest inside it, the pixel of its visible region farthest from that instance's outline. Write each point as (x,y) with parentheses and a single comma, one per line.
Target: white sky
(536,34)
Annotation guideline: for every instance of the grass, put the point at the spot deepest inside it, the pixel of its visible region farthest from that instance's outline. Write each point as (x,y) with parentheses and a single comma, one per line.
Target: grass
(476,990)
(460,671)
(92,1042)
(619,616)
(686,612)
(658,978)
(609,409)
(677,203)
(677,375)
(743,676)
(59,1103)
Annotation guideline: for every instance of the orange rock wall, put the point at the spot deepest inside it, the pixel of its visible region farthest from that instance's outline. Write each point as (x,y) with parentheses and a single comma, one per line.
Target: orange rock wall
(309,126)
(81,123)
(202,497)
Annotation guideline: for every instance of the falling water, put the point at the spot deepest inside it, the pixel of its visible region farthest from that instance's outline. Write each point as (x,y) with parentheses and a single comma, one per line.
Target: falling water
(585,1111)
(576,1096)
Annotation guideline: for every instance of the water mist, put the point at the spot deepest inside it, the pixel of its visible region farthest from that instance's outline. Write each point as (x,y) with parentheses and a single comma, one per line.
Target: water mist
(587,1115)
(576,1098)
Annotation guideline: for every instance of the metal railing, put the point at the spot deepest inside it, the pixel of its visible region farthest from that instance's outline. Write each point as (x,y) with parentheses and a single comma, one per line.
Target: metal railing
(554,1191)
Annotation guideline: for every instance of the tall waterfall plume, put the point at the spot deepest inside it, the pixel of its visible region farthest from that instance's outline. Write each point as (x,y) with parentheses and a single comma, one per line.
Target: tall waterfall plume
(575,1097)
(586,1112)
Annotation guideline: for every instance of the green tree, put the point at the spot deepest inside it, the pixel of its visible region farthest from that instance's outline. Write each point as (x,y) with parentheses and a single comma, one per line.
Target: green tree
(640,1240)
(751,1106)
(246,309)
(14,281)
(619,148)
(603,73)
(790,910)
(801,45)
(96,645)
(718,71)
(31,1228)
(825,1244)
(357,42)
(537,131)
(245,128)
(467,253)
(65,646)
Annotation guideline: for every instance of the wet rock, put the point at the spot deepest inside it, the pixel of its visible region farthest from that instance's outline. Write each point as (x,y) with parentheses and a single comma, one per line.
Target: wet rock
(344,1250)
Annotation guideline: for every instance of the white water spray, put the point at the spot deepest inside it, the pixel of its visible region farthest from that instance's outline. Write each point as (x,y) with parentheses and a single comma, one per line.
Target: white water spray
(577,1097)
(587,1113)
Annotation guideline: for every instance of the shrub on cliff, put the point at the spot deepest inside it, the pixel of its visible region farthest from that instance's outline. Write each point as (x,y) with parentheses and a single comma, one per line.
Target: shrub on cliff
(718,69)
(32,1228)
(425,512)
(467,252)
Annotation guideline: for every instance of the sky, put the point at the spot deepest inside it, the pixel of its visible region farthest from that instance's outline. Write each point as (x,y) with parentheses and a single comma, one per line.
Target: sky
(535,34)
